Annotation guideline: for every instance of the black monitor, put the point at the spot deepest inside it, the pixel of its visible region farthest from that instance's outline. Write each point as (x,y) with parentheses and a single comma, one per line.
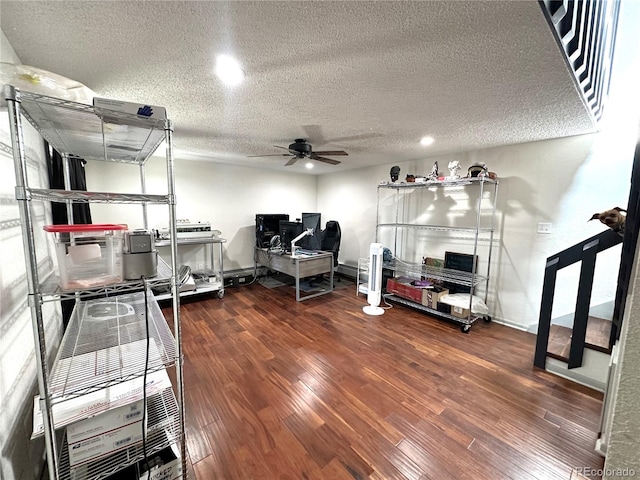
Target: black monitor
(311,220)
(288,231)
(268,225)
(460,261)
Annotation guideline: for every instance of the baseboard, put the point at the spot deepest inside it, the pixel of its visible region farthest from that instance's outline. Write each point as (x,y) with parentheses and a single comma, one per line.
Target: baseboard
(507,323)
(347,270)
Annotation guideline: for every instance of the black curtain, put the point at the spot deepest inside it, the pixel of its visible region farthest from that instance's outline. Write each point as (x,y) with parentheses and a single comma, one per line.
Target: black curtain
(55,167)
(81,212)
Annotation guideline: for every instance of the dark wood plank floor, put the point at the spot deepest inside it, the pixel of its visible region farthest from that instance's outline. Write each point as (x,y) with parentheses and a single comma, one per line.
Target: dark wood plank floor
(318,390)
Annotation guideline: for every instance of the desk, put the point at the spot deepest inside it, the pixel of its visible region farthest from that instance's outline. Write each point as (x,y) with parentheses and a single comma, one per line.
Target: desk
(300,266)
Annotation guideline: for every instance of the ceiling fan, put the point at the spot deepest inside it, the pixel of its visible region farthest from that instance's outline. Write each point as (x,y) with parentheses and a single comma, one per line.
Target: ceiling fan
(300,148)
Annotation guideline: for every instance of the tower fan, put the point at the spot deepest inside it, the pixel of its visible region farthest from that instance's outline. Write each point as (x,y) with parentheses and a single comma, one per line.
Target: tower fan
(375,280)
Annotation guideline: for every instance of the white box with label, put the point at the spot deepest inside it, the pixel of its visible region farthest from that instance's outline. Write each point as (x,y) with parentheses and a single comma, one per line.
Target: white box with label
(97,436)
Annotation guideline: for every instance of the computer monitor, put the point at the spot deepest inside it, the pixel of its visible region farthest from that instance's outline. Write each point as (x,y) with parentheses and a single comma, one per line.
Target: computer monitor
(460,261)
(268,225)
(288,231)
(312,220)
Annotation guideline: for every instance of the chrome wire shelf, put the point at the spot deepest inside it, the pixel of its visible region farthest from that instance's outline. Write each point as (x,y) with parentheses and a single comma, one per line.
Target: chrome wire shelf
(191,241)
(94,197)
(437,273)
(439,228)
(105,344)
(461,182)
(77,129)
(163,429)
(51,290)
(419,306)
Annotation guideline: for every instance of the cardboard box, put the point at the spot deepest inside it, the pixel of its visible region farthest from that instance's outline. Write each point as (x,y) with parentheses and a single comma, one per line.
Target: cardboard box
(431,296)
(459,312)
(100,401)
(433,262)
(401,286)
(103,434)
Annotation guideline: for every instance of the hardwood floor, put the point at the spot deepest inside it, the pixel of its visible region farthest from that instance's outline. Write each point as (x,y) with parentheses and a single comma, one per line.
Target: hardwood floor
(318,390)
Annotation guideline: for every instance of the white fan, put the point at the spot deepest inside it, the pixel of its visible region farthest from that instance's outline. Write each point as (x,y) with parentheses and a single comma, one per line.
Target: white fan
(375,280)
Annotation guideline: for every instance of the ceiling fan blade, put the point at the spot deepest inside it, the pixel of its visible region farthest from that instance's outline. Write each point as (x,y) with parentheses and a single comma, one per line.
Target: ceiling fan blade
(275,155)
(364,136)
(278,146)
(313,156)
(291,162)
(331,152)
(314,132)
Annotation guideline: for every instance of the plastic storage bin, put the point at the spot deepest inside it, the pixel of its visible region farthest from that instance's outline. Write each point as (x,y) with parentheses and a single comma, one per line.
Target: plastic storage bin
(88,255)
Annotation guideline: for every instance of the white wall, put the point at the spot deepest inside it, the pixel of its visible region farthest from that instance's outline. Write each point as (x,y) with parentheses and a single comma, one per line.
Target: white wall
(562,181)
(227,196)
(20,458)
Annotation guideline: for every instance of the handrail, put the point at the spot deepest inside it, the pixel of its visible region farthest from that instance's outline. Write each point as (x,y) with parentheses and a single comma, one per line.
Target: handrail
(586,34)
(585,252)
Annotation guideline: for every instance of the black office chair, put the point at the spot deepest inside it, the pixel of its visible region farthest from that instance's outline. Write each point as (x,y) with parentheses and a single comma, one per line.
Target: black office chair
(330,239)
(330,242)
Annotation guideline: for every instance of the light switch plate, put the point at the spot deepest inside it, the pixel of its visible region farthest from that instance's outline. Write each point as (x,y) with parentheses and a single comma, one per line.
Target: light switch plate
(544,227)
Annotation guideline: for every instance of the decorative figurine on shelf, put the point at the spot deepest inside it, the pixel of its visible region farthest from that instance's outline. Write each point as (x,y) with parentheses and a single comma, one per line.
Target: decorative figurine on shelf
(410,178)
(394,173)
(478,169)
(433,174)
(454,166)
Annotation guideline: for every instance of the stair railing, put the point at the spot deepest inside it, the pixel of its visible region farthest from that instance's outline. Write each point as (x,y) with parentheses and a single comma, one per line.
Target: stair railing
(585,252)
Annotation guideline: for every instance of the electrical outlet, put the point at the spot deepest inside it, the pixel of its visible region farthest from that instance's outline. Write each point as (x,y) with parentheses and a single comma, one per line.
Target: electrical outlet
(544,227)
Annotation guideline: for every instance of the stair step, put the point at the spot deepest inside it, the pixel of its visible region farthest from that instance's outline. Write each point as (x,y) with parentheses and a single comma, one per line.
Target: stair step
(598,331)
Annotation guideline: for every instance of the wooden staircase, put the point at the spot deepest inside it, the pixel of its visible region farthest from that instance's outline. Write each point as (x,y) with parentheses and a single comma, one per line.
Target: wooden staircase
(597,338)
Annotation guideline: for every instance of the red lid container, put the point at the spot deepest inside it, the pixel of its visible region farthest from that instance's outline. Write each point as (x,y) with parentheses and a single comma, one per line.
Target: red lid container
(89,227)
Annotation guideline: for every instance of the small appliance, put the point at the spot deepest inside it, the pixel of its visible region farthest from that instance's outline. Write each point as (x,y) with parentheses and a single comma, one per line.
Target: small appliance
(140,258)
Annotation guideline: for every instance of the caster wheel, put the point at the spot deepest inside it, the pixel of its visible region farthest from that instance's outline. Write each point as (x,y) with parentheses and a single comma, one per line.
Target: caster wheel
(465,328)
(220,293)
(487,318)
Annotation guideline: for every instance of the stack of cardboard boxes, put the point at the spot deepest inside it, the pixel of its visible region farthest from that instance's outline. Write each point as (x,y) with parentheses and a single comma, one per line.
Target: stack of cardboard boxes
(416,291)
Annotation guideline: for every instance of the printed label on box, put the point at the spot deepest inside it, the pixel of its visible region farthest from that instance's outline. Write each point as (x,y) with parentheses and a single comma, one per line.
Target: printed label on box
(100,445)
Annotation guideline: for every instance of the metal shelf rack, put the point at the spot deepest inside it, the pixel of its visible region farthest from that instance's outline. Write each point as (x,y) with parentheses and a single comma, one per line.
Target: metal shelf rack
(96,134)
(408,208)
(163,429)
(97,352)
(210,272)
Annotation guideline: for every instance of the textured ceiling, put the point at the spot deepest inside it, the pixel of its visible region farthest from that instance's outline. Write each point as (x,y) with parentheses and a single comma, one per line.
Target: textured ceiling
(368,77)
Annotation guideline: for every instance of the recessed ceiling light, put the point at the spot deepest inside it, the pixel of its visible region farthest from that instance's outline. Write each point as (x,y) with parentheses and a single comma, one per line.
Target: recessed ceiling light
(309,165)
(426,141)
(228,70)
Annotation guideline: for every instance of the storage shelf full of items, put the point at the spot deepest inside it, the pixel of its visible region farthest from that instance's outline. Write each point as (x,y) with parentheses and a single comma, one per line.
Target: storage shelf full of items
(118,345)
(211,279)
(428,224)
